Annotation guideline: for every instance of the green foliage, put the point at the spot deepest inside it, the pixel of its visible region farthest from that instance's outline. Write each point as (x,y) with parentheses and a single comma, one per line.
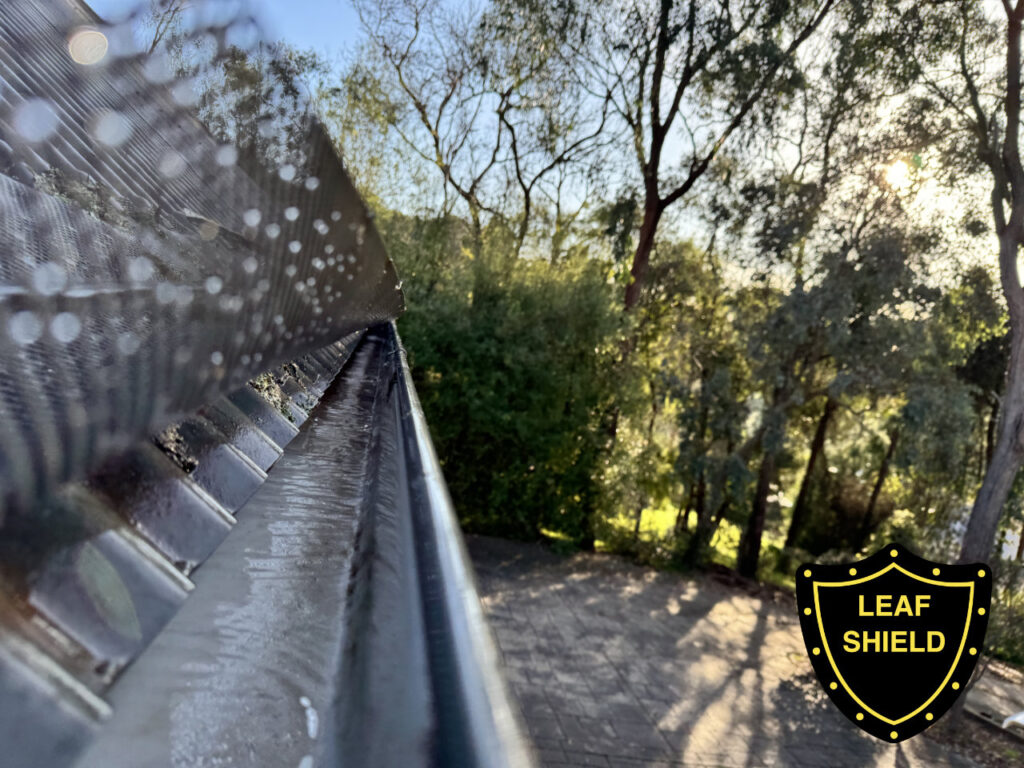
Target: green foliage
(511,358)
(1005,636)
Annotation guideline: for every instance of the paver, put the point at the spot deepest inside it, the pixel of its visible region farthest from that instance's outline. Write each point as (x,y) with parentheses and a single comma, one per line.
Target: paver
(628,667)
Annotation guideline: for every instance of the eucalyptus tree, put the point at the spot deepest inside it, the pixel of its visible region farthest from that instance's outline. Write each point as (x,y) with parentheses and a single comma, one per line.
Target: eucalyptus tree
(683,78)
(710,383)
(838,334)
(475,92)
(819,227)
(163,22)
(970,108)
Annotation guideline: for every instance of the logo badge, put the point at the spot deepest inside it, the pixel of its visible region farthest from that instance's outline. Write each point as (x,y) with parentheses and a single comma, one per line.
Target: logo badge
(893,639)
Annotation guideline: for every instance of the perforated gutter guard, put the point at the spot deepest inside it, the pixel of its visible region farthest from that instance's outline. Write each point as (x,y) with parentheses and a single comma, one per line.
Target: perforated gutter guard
(214,548)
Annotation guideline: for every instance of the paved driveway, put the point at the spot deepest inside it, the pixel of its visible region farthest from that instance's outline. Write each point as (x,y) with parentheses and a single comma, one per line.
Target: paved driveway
(621,666)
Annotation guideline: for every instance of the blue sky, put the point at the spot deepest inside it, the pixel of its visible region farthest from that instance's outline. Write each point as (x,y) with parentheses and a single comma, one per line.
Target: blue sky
(329,26)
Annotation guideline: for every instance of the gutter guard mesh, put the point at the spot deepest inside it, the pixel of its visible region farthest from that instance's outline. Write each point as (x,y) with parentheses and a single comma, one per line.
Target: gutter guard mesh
(171,224)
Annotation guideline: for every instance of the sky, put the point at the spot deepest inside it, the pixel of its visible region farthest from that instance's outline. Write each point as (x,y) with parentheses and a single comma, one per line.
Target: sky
(329,26)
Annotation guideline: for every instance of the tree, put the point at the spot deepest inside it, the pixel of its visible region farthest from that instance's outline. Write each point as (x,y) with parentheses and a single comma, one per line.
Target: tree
(829,240)
(1008,190)
(976,123)
(686,76)
(801,505)
(478,96)
(164,20)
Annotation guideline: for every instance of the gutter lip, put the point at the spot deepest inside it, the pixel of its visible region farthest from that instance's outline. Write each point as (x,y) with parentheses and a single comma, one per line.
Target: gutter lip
(483,722)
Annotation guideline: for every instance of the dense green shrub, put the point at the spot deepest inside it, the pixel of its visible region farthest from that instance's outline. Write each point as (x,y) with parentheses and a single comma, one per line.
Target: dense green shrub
(511,360)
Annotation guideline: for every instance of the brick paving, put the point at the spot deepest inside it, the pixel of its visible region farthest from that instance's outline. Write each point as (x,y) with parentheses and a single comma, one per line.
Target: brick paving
(619,666)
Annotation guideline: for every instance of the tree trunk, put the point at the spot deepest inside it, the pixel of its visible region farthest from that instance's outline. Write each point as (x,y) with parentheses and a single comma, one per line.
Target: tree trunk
(701,502)
(796,523)
(988,506)
(703,530)
(587,538)
(683,515)
(478,234)
(697,546)
(1007,456)
(644,247)
(700,499)
(1009,452)
(990,432)
(650,441)
(876,491)
(749,553)
(1020,544)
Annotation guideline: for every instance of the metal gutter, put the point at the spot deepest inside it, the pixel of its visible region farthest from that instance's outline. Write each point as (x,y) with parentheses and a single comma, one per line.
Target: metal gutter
(479,724)
(338,624)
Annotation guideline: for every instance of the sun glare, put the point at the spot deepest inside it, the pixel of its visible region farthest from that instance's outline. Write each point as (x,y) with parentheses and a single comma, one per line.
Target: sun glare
(897,176)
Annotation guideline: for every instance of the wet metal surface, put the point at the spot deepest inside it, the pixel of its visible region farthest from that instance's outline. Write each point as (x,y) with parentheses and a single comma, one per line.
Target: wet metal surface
(147,489)
(156,264)
(225,683)
(273,423)
(216,466)
(29,708)
(88,580)
(338,624)
(242,433)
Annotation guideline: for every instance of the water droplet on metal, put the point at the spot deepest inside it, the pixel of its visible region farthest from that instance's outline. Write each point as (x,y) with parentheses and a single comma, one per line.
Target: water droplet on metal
(172,165)
(111,128)
(24,327)
(184,94)
(49,278)
(65,327)
(166,293)
(227,155)
(157,68)
(128,343)
(87,46)
(35,120)
(140,269)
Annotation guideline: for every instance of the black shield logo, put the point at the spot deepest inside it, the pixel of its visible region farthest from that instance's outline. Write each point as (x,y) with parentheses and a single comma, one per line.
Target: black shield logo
(893,639)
